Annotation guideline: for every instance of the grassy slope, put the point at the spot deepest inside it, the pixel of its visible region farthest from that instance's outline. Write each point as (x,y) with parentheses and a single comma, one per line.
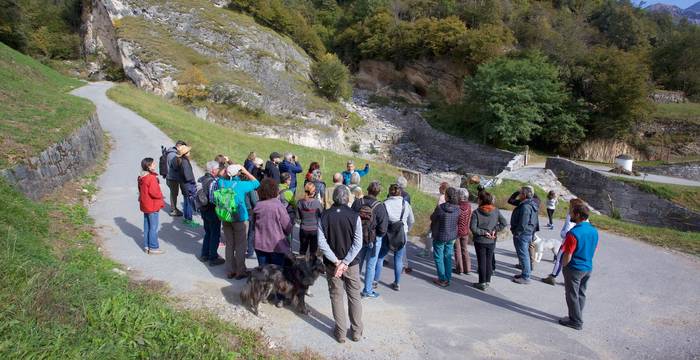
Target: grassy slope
(687,196)
(209,139)
(35,110)
(684,112)
(60,299)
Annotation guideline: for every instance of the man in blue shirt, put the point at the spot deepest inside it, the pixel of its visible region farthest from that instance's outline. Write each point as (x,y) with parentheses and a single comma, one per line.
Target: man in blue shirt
(291,165)
(578,249)
(347,174)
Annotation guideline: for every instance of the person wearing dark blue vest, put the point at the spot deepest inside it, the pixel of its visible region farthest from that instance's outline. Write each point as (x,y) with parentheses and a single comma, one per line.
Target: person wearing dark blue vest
(524,221)
(578,250)
(340,240)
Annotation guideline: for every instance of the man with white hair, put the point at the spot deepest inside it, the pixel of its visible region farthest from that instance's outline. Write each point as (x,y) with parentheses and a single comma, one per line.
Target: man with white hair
(212,224)
(236,228)
(340,240)
(328,195)
(291,166)
(524,221)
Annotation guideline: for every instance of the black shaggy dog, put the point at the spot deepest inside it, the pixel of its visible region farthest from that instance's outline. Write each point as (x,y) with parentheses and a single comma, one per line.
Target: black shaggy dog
(290,281)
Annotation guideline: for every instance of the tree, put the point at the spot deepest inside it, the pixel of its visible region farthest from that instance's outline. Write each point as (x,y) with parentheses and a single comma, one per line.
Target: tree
(513,101)
(622,26)
(10,25)
(332,77)
(617,89)
(192,85)
(675,62)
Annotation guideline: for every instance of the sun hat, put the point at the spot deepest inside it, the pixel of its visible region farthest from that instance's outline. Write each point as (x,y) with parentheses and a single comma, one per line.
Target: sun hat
(183,150)
(258,161)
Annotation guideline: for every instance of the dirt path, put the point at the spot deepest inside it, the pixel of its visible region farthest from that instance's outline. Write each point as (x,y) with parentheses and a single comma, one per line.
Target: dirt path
(643,301)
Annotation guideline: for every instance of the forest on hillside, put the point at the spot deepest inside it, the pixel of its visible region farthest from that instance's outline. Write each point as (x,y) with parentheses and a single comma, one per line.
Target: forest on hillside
(548,73)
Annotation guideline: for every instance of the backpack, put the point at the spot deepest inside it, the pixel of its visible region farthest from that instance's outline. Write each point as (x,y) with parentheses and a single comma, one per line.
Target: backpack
(225,201)
(201,196)
(163,162)
(395,234)
(369,228)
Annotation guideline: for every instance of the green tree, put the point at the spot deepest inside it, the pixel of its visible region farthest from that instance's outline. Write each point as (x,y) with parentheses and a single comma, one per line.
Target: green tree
(332,77)
(617,89)
(621,24)
(675,62)
(513,101)
(10,25)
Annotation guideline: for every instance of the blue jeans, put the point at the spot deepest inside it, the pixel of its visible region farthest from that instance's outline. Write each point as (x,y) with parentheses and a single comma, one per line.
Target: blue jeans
(265,258)
(522,244)
(150,230)
(212,234)
(187,208)
(443,252)
(398,262)
(370,256)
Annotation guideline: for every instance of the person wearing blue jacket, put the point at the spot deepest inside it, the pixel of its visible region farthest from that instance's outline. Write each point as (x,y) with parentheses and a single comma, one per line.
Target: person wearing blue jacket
(236,231)
(291,165)
(524,221)
(347,174)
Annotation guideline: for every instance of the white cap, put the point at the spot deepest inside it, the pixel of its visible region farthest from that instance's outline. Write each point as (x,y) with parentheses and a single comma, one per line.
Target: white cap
(233,170)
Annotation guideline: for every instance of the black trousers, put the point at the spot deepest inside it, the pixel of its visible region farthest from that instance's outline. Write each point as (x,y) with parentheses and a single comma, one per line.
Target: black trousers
(485,261)
(308,240)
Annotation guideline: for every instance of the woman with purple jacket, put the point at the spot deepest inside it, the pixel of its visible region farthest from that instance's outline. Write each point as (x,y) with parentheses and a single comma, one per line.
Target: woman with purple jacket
(272,225)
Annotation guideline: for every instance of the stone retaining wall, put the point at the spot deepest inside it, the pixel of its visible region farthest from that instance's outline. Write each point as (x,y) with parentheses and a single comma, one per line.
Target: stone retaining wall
(60,163)
(688,170)
(633,204)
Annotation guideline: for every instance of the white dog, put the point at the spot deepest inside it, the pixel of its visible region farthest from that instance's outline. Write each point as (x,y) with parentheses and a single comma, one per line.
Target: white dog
(543,244)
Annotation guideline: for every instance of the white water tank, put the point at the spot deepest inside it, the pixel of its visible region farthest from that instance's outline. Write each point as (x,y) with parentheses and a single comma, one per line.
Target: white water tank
(624,161)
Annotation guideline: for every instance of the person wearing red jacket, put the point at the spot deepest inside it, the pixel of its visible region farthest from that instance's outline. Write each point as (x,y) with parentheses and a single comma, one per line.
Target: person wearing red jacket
(150,201)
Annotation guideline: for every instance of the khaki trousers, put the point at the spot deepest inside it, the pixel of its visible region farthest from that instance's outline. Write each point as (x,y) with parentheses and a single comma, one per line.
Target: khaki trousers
(236,238)
(350,284)
(463,262)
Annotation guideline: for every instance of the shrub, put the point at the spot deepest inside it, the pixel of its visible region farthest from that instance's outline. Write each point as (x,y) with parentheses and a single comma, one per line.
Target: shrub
(192,85)
(332,77)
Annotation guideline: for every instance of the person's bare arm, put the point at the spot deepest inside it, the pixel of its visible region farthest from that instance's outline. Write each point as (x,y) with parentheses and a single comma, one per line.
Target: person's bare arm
(565,259)
(247,174)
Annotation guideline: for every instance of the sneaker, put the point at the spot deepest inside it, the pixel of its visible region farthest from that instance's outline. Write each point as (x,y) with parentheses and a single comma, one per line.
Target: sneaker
(517,276)
(356,337)
(203,258)
(549,280)
(407,270)
(217,261)
(517,266)
(568,323)
(145,250)
(372,295)
(395,287)
(481,286)
(175,213)
(250,256)
(521,281)
(440,283)
(192,223)
(156,251)
(339,339)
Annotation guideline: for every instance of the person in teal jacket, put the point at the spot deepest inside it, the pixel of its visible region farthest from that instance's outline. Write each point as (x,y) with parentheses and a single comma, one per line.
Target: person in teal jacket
(347,174)
(236,231)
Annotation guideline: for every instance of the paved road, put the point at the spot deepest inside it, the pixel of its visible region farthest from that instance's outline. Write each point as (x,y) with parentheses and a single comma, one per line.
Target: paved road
(642,301)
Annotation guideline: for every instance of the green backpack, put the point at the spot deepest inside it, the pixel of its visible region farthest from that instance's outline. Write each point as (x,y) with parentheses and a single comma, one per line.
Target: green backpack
(225,201)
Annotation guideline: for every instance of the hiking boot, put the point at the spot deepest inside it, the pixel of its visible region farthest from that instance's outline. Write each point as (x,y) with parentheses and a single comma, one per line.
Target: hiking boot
(372,295)
(155,251)
(241,276)
(217,261)
(521,280)
(175,213)
(549,280)
(339,339)
(203,258)
(231,275)
(440,283)
(407,270)
(356,337)
(481,286)
(517,266)
(568,323)
(395,287)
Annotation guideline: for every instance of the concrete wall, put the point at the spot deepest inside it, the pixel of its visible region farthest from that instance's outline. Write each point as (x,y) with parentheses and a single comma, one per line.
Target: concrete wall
(688,170)
(633,204)
(60,163)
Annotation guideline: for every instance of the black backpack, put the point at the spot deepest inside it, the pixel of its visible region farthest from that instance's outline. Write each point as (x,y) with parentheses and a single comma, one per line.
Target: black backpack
(163,162)
(396,238)
(369,226)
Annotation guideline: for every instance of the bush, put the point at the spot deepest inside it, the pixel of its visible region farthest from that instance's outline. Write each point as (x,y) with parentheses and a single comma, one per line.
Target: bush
(332,77)
(192,85)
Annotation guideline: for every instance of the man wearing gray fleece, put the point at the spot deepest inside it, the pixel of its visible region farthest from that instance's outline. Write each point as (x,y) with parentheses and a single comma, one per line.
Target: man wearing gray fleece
(340,240)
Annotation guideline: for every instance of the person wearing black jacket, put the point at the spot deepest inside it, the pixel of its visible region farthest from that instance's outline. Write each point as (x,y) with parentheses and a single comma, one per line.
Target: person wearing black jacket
(171,179)
(444,222)
(272,168)
(212,224)
(524,221)
(185,177)
(380,222)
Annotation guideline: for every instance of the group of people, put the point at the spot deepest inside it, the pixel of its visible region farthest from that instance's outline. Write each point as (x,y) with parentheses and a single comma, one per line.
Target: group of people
(350,227)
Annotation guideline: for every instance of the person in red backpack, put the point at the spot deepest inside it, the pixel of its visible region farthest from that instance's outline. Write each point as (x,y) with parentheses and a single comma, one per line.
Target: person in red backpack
(150,201)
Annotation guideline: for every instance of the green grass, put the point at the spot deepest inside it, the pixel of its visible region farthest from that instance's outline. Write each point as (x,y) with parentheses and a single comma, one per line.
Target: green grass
(685,241)
(683,112)
(35,109)
(686,196)
(208,140)
(60,299)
